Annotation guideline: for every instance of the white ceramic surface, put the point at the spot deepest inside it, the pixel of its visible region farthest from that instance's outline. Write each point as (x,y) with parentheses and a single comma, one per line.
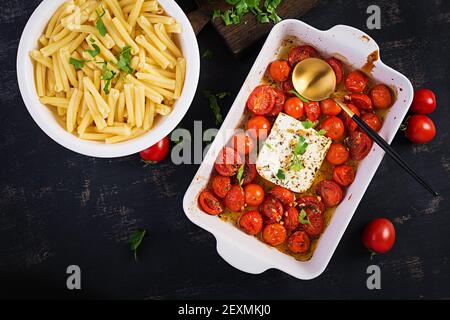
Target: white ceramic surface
(46,119)
(248,253)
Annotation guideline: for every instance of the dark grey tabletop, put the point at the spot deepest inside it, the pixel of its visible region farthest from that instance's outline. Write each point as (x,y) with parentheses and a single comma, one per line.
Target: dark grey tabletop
(58,208)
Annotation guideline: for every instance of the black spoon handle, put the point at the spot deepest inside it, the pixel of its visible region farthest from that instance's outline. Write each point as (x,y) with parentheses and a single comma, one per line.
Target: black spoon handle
(392,153)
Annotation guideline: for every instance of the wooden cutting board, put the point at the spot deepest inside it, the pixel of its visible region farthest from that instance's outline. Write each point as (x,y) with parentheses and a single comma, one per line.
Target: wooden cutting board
(241,36)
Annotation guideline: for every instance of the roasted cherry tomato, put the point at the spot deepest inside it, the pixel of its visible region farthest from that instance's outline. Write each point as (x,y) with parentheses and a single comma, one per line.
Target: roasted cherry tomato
(330,192)
(235,198)
(312,110)
(209,203)
(242,143)
(379,235)
(372,121)
(344,175)
(329,107)
(361,101)
(279,103)
(424,102)
(298,242)
(337,154)
(221,185)
(279,70)
(251,222)
(258,127)
(288,86)
(228,162)
(334,127)
(349,123)
(356,81)
(294,107)
(314,226)
(274,234)
(254,194)
(301,53)
(157,152)
(285,196)
(420,129)
(272,210)
(313,204)
(291,219)
(381,96)
(261,100)
(336,65)
(359,145)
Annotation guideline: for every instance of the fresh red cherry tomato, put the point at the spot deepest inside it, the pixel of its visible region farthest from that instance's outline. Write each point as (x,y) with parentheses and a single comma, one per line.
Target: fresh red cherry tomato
(279,70)
(424,102)
(334,127)
(420,129)
(294,107)
(157,152)
(379,235)
(254,194)
(209,203)
(258,127)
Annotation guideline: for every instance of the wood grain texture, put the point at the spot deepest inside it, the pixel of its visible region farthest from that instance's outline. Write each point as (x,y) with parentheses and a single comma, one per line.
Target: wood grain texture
(58,208)
(242,36)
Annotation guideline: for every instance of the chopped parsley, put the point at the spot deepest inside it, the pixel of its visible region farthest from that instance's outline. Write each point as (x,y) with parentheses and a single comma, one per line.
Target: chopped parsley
(265,14)
(124,60)
(214,104)
(107,75)
(307,124)
(95,52)
(78,64)
(208,54)
(322,132)
(135,240)
(240,173)
(299,149)
(99,24)
(298,95)
(281,175)
(303,217)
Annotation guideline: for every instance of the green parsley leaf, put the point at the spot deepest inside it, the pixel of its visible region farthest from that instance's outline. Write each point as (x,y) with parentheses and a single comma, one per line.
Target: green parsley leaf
(78,64)
(222,95)
(322,132)
(296,164)
(107,75)
(281,175)
(303,217)
(298,95)
(262,18)
(307,124)
(124,60)
(216,14)
(300,146)
(240,174)
(208,54)
(214,104)
(135,240)
(95,52)
(268,145)
(100,25)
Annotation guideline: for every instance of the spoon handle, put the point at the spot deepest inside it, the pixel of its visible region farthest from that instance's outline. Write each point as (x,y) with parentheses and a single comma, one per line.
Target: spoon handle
(387,148)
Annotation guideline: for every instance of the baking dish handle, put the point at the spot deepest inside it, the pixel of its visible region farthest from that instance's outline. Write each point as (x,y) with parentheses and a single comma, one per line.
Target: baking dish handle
(240,259)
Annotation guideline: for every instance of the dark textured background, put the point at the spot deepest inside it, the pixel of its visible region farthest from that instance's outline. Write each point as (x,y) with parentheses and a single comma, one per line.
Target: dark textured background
(59,208)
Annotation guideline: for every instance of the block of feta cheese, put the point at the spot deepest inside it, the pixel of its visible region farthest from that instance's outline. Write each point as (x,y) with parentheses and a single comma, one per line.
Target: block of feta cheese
(292,154)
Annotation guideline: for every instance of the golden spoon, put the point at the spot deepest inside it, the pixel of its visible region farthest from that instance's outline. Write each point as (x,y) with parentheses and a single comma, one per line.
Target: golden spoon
(315,80)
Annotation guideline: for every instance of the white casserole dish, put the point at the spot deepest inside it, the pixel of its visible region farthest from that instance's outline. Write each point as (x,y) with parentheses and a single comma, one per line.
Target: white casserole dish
(46,119)
(249,254)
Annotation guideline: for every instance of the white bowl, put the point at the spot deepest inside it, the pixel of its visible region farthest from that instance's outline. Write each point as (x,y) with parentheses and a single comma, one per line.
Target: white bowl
(248,253)
(46,119)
